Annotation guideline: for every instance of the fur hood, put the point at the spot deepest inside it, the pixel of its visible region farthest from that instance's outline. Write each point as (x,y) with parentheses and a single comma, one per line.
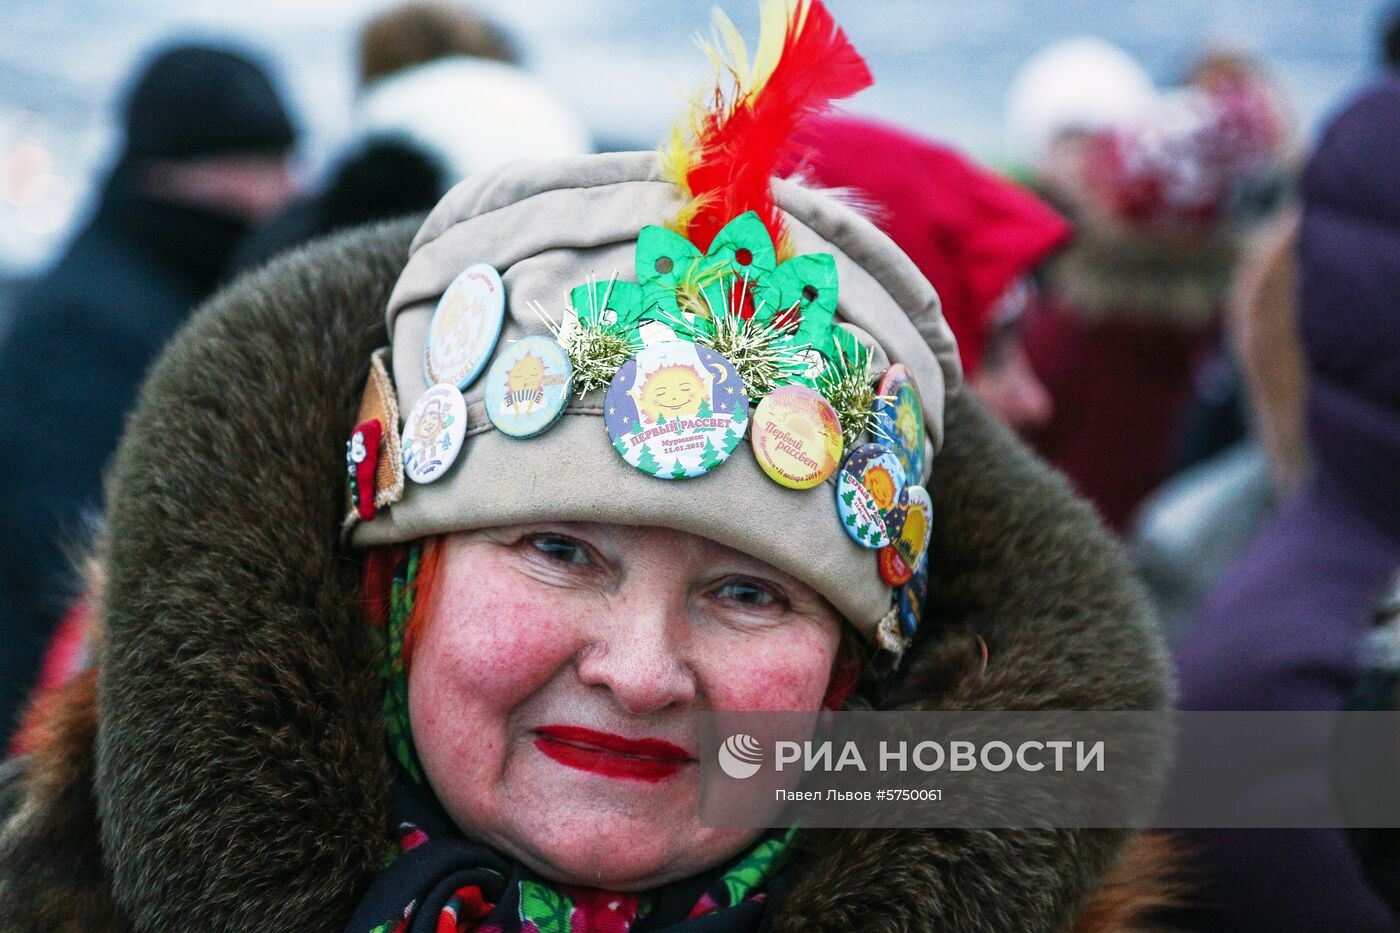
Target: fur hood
(228,750)
(1111,273)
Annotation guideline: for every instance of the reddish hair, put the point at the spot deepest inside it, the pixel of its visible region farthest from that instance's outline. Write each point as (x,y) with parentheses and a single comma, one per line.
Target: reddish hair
(379,571)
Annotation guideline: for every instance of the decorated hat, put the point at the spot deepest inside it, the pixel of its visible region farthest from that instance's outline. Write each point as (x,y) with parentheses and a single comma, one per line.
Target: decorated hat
(674,339)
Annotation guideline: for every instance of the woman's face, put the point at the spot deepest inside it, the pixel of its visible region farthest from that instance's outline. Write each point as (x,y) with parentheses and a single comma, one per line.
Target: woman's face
(556,688)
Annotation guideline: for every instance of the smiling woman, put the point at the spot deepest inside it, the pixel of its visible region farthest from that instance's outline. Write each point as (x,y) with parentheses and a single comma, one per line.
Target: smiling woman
(375,658)
(555,678)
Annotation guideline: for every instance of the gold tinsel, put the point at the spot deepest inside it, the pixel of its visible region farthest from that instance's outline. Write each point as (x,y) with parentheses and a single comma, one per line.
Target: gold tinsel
(848,386)
(596,350)
(757,351)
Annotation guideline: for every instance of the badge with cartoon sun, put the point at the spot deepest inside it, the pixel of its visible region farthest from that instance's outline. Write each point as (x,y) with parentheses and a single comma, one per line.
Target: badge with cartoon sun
(676,410)
(528,387)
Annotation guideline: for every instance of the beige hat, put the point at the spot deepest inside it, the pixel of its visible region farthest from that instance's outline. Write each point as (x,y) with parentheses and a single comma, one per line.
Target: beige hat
(546,227)
(550,226)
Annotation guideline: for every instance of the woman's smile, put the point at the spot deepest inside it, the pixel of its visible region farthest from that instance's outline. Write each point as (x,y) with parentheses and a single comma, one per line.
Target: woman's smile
(612,755)
(558,676)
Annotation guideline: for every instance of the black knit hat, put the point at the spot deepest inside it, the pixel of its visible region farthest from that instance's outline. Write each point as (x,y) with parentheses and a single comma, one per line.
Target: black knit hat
(195,101)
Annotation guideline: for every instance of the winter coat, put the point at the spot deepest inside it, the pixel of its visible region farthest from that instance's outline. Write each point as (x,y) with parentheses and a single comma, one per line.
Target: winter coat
(1282,629)
(227,756)
(70,364)
(1125,321)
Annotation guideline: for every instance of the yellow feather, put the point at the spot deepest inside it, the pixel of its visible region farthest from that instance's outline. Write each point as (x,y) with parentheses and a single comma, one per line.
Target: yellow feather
(774,17)
(728,53)
(726,49)
(677,155)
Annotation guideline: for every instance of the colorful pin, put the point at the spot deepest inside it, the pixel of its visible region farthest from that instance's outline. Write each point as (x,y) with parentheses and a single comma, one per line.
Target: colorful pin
(880,472)
(911,599)
(527,388)
(434,433)
(676,410)
(908,546)
(867,489)
(465,327)
(796,437)
(361,462)
(899,419)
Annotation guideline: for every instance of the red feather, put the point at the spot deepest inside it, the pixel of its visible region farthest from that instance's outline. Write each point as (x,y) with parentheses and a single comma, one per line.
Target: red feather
(740,150)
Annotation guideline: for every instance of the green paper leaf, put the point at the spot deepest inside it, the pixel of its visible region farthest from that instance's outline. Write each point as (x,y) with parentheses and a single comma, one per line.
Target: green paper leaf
(849,348)
(805,289)
(665,260)
(619,303)
(745,238)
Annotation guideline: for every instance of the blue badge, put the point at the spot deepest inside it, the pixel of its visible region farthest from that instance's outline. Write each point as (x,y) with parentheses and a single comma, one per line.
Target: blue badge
(881,472)
(899,419)
(528,387)
(676,410)
(867,489)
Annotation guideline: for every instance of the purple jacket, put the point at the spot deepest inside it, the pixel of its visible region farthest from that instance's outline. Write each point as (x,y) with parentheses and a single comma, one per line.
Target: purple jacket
(1281,630)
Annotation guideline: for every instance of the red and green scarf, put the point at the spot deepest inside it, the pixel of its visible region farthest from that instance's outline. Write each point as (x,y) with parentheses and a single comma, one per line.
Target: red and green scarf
(439,881)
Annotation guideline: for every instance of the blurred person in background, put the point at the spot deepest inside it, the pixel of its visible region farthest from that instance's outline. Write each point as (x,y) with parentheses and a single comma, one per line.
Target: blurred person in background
(1132,303)
(1192,529)
(1216,418)
(1063,96)
(976,237)
(422,31)
(206,154)
(442,95)
(1282,629)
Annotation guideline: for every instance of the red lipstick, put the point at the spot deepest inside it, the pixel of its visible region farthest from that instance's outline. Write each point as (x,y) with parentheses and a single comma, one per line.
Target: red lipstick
(611,755)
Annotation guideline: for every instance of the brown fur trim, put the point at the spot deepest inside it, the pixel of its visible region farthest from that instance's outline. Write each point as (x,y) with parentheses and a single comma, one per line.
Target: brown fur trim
(1115,275)
(52,876)
(240,760)
(1017,561)
(1144,880)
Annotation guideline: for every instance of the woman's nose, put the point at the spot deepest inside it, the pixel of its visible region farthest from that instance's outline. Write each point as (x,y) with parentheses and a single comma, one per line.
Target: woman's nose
(635,659)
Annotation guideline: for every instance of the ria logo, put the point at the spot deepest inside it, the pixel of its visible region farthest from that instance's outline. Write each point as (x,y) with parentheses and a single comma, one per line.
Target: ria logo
(740,756)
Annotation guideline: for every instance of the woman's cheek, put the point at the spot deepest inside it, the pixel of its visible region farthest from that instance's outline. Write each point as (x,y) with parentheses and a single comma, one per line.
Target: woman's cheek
(774,673)
(506,643)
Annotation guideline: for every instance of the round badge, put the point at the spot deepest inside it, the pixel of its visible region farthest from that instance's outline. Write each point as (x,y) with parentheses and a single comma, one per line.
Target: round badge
(796,437)
(867,489)
(434,433)
(676,410)
(911,600)
(909,545)
(465,327)
(880,472)
(528,387)
(910,610)
(899,419)
(893,569)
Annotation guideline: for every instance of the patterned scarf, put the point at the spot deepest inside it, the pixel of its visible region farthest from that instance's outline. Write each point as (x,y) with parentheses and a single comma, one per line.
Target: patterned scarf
(438,881)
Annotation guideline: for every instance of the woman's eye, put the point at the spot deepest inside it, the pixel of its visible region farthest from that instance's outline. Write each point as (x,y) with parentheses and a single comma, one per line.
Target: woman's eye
(564,550)
(747,594)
